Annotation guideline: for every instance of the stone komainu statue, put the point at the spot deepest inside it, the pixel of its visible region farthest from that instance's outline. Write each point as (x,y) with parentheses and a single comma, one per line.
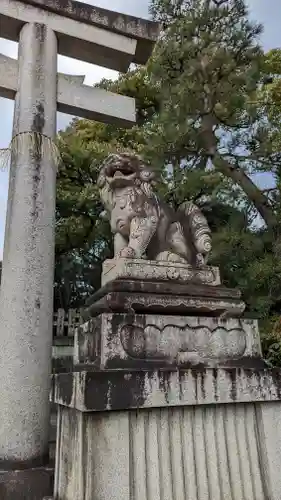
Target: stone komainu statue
(143,225)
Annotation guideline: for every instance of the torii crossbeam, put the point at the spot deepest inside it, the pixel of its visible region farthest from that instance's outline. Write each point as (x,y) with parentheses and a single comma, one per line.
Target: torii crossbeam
(75,98)
(45,28)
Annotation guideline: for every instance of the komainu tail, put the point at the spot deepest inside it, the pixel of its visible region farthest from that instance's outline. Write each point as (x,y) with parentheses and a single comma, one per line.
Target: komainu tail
(198,229)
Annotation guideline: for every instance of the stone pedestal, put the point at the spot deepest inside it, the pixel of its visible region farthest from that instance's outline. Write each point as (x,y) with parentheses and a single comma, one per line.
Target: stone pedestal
(170,399)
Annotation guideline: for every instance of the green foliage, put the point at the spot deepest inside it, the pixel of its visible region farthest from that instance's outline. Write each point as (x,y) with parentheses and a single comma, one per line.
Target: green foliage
(82,238)
(208,67)
(270,97)
(271,340)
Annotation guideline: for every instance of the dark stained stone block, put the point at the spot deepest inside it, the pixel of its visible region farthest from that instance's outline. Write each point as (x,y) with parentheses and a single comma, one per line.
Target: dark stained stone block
(28,484)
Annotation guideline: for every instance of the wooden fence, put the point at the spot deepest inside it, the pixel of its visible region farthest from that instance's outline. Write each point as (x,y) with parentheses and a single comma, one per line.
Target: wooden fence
(65,322)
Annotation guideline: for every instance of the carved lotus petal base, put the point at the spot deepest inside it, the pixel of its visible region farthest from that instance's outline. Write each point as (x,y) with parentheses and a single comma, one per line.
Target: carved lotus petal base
(115,340)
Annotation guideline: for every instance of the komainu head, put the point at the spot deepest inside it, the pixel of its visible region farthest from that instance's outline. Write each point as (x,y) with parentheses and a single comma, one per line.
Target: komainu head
(120,170)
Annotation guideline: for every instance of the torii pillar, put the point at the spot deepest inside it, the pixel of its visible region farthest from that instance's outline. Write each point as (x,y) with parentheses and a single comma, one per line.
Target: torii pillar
(45,28)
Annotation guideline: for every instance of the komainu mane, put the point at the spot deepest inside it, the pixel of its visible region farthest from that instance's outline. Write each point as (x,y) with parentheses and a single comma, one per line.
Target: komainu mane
(143,225)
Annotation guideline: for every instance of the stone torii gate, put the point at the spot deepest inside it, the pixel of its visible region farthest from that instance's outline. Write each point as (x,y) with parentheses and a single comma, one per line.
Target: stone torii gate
(45,28)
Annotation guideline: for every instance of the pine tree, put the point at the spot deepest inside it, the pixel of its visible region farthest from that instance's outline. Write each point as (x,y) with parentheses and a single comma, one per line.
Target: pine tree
(208,67)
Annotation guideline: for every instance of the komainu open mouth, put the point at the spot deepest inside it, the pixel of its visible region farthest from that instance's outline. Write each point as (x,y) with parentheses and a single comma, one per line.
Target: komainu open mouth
(118,170)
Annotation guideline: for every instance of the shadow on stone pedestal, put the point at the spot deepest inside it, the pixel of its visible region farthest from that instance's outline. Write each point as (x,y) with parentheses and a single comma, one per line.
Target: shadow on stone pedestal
(29,484)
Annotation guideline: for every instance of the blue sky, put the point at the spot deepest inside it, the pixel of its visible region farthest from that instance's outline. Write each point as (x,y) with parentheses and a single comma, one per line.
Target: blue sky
(268,12)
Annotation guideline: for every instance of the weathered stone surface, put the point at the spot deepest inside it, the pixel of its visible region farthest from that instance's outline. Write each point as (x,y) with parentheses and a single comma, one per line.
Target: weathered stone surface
(198,453)
(99,391)
(164,288)
(164,304)
(143,225)
(109,479)
(162,297)
(26,307)
(140,29)
(138,269)
(268,418)
(28,484)
(75,98)
(62,355)
(131,340)
(84,32)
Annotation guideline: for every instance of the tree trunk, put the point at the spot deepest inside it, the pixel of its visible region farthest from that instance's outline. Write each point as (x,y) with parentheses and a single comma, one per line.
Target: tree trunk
(254,194)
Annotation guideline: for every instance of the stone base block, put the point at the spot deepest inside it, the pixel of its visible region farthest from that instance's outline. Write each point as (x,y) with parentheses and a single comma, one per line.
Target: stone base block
(195,453)
(143,340)
(154,297)
(29,484)
(139,269)
(100,391)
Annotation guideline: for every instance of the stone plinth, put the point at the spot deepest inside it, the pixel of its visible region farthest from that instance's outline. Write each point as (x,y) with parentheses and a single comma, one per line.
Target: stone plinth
(164,297)
(148,270)
(182,434)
